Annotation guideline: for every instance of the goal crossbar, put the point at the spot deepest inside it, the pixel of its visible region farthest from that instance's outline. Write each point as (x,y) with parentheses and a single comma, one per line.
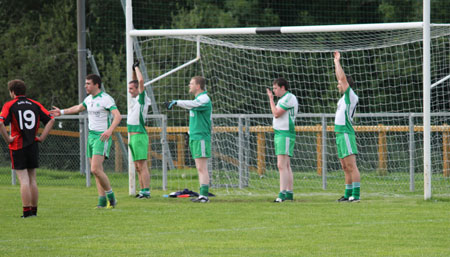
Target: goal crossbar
(282,30)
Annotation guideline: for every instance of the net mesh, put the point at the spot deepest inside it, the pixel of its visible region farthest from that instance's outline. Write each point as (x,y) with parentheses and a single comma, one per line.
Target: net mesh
(387,69)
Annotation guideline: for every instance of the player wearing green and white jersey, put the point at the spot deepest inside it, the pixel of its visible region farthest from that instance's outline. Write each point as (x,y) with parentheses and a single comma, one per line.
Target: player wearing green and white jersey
(345,134)
(138,143)
(99,105)
(99,108)
(200,115)
(284,114)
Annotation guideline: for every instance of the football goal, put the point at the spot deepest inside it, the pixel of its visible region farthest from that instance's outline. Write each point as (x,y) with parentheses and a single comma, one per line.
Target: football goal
(401,73)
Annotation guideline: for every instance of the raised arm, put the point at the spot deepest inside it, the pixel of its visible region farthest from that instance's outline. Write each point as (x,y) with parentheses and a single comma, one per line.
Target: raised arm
(137,75)
(71,110)
(140,79)
(340,74)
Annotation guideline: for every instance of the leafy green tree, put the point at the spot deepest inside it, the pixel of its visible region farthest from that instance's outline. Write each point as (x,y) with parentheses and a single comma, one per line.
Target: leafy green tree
(201,14)
(39,43)
(401,11)
(40,47)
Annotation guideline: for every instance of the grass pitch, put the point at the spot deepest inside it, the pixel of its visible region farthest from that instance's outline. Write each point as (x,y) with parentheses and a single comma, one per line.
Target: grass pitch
(313,225)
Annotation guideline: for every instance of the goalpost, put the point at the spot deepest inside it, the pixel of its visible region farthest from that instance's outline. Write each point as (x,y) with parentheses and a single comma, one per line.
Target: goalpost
(388,61)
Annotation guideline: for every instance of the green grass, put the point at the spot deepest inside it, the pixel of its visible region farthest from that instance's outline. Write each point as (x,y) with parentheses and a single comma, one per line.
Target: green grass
(304,181)
(313,225)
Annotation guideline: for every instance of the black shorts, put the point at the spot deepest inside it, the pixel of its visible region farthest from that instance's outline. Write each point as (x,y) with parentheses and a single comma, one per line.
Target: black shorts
(25,158)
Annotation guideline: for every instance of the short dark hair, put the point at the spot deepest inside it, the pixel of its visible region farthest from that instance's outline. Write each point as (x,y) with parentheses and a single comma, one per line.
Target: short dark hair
(17,86)
(281,82)
(350,80)
(201,81)
(95,79)
(134,82)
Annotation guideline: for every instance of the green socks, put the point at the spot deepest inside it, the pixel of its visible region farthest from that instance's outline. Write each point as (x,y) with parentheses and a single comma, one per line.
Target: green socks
(356,190)
(348,190)
(145,191)
(204,190)
(102,201)
(110,195)
(289,195)
(282,195)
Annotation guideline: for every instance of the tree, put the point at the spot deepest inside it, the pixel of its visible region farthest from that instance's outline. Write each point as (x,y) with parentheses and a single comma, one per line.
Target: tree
(40,48)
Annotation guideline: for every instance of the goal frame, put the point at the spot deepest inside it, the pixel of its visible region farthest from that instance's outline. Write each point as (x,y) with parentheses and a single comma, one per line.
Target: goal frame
(132,33)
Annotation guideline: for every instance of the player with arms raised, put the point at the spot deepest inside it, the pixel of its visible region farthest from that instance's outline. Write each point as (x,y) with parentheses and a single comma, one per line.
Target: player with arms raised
(345,134)
(136,127)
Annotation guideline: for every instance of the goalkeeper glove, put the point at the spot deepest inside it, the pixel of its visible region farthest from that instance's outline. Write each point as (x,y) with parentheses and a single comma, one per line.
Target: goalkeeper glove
(170,104)
(135,64)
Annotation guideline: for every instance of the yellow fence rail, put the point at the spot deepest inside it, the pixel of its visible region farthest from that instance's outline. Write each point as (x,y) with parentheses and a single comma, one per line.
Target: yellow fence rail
(176,134)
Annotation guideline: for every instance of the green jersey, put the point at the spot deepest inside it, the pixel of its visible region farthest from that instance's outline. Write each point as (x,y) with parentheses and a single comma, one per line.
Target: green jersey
(345,111)
(137,111)
(200,116)
(285,124)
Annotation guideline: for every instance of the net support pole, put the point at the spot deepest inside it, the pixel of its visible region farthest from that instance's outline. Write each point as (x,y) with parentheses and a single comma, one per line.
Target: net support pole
(426,101)
(440,81)
(165,150)
(241,153)
(324,152)
(13,177)
(412,149)
(247,149)
(129,46)
(184,65)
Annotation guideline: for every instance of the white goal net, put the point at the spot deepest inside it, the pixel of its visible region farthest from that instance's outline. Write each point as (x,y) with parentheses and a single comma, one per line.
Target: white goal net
(386,66)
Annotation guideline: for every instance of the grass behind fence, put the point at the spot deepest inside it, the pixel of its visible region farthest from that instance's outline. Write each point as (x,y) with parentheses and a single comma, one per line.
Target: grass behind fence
(227,183)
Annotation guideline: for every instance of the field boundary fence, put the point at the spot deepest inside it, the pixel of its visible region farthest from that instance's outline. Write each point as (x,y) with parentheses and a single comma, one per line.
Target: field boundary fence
(390,148)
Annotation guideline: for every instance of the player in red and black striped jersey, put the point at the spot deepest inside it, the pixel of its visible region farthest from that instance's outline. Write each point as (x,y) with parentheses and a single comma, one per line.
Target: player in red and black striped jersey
(24,116)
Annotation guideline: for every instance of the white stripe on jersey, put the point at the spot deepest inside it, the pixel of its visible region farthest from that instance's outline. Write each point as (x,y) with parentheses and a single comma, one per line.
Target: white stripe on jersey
(203,147)
(347,142)
(288,141)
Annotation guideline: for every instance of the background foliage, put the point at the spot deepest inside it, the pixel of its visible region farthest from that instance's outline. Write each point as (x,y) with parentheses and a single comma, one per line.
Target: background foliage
(39,37)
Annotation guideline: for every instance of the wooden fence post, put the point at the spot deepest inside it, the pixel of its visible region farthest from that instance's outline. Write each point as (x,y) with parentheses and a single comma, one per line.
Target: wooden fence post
(180,152)
(261,152)
(382,151)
